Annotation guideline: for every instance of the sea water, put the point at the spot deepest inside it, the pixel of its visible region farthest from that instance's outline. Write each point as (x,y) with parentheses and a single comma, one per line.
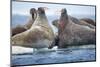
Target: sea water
(54,55)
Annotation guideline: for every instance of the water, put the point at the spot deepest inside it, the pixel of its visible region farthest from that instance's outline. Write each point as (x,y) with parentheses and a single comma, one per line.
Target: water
(52,56)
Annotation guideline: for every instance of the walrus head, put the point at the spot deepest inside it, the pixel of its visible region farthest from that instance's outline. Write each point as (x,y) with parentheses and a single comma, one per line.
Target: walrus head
(41,10)
(63,19)
(33,13)
(41,19)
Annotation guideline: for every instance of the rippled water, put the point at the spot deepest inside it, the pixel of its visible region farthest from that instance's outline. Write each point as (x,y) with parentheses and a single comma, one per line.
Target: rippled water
(49,56)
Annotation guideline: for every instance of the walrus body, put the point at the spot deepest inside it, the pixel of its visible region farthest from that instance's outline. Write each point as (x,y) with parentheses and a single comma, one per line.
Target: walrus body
(88,20)
(82,22)
(40,35)
(70,33)
(21,28)
(17,30)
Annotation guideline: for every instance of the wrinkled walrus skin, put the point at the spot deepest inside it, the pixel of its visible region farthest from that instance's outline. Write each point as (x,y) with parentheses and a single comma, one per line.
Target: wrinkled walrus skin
(70,33)
(40,35)
(90,21)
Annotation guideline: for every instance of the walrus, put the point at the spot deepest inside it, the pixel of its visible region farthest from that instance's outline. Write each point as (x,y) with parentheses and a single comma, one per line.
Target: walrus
(17,29)
(40,35)
(90,21)
(82,22)
(31,19)
(21,28)
(56,24)
(70,33)
(75,20)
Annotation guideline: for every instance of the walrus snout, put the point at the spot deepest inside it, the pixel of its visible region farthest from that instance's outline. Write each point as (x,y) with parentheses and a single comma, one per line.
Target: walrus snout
(33,12)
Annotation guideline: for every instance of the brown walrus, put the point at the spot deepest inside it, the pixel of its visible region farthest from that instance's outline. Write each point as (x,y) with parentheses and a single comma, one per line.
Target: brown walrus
(21,28)
(70,33)
(40,35)
(18,29)
(88,20)
(82,22)
(31,19)
(75,20)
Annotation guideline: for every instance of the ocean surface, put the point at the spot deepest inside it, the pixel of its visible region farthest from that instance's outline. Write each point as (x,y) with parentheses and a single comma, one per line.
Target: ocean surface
(30,56)
(26,56)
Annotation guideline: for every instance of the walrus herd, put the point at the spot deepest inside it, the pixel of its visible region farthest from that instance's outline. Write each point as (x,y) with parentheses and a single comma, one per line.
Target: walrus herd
(37,33)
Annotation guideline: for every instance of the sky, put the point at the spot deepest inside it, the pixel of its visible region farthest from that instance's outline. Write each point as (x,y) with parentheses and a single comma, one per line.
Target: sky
(24,7)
